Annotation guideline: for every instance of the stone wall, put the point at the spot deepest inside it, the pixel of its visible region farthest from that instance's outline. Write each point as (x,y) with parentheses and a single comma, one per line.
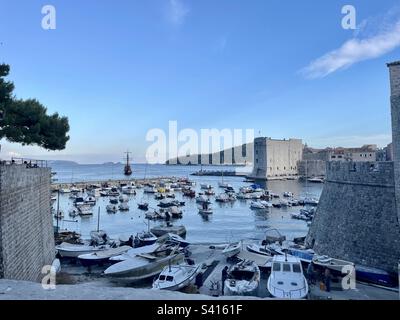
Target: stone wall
(356,219)
(312,168)
(26,227)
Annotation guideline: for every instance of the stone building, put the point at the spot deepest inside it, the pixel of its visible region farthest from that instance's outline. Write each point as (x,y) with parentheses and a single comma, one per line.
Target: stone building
(358,214)
(274,159)
(26,224)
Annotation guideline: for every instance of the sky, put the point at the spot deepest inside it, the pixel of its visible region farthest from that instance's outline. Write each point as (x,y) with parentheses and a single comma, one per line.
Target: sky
(117,69)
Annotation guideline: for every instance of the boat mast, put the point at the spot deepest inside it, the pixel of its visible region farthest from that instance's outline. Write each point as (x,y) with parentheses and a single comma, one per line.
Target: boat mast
(58,207)
(98,220)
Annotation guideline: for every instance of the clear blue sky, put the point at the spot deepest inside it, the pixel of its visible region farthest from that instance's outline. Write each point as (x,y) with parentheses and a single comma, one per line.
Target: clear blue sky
(120,68)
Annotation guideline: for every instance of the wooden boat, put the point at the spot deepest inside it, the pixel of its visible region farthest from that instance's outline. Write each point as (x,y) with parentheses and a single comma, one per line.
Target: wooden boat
(145,265)
(100,257)
(164,229)
(67,250)
(232,249)
(243,279)
(176,277)
(146,238)
(287,280)
(335,265)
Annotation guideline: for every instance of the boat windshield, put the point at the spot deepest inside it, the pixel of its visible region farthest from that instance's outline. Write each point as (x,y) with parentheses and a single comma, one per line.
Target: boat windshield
(162,277)
(286,267)
(170,278)
(276,267)
(296,268)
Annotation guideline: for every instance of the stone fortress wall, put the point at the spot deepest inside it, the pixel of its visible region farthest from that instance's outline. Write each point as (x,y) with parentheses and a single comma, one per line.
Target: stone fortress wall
(26,224)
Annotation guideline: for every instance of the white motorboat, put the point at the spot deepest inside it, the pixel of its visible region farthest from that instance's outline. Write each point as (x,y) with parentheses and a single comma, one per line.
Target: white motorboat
(222,198)
(205,186)
(257,205)
(129,190)
(173,238)
(100,257)
(316,180)
(123,198)
(145,265)
(176,277)
(67,250)
(123,207)
(150,190)
(287,280)
(91,201)
(288,194)
(65,190)
(260,249)
(243,279)
(203,199)
(111,208)
(85,210)
(232,249)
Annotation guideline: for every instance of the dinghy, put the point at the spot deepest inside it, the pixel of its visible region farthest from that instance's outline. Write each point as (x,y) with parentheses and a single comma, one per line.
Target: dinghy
(243,279)
(176,277)
(67,250)
(287,280)
(146,238)
(335,265)
(232,249)
(100,257)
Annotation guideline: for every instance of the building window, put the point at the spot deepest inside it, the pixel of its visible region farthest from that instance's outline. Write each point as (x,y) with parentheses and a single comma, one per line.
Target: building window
(333,157)
(256,160)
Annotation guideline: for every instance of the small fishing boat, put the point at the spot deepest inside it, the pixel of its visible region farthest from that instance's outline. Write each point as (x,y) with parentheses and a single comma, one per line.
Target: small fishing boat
(166,203)
(258,205)
(85,210)
(335,265)
(288,194)
(310,201)
(91,201)
(111,208)
(123,207)
(169,228)
(145,265)
(146,238)
(316,180)
(135,251)
(100,257)
(114,200)
(203,199)
(175,212)
(173,238)
(260,249)
(143,206)
(223,198)
(205,208)
(287,280)
(209,192)
(150,190)
(243,279)
(159,196)
(176,277)
(205,186)
(65,190)
(123,198)
(129,190)
(67,250)
(113,192)
(232,249)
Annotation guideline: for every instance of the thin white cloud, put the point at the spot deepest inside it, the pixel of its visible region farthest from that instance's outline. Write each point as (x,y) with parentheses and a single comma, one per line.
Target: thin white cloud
(177,12)
(357,49)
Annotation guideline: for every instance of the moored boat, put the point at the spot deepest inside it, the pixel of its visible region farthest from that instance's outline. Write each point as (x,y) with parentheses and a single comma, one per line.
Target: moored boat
(100,257)
(176,277)
(243,279)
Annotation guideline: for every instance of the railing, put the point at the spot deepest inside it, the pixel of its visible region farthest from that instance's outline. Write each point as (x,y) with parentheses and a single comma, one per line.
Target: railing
(289,294)
(29,163)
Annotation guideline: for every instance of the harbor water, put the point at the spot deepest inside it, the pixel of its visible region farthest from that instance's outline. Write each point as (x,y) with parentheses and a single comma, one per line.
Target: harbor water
(229,221)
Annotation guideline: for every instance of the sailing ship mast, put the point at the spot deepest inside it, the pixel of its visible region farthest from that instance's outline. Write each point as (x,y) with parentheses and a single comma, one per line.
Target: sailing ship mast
(127,169)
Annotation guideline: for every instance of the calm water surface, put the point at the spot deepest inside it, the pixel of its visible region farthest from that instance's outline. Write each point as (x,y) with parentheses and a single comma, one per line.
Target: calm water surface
(229,222)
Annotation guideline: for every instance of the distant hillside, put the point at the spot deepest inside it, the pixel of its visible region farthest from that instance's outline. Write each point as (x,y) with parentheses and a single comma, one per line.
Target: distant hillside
(62,163)
(221,156)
